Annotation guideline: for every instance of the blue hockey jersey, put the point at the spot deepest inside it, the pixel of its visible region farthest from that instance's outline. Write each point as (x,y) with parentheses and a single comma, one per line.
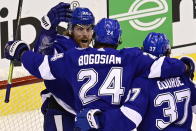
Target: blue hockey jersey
(161,104)
(50,45)
(47,44)
(100,78)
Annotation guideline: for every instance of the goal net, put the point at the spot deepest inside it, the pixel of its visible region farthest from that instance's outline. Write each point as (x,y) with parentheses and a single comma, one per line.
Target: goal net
(23,112)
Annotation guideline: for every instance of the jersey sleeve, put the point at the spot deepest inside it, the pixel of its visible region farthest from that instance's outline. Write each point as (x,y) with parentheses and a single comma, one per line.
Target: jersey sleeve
(64,43)
(44,42)
(166,67)
(130,114)
(44,66)
(193,96)
(49,41)
(153,67)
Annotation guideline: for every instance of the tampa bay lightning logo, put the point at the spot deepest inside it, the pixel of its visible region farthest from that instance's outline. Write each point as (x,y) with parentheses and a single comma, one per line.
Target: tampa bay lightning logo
(57,56)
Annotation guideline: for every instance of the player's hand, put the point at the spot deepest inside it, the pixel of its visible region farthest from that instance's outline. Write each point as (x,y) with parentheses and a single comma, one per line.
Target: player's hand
(191,66)
(14,49)
(59,13)
(88,119)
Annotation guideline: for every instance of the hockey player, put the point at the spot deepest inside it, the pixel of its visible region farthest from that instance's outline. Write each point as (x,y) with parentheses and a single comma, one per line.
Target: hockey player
(58,114)
(166,103)
(159,104)
(100,77)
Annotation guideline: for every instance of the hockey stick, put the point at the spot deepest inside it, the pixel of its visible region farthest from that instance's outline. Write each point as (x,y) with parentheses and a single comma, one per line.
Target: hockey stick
(9,85)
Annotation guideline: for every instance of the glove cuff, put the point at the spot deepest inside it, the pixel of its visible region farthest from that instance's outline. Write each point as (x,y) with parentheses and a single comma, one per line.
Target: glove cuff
(45,22)
(14,46)
(91,118)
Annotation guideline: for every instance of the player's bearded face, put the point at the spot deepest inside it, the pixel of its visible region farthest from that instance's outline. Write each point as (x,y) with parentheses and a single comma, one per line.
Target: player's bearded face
(82,34)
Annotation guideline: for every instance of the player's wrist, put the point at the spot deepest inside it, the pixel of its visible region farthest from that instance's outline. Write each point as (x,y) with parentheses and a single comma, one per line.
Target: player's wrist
(15,49)
(95,118)
(101,120)
(21,54)
(45,22)
(47,26)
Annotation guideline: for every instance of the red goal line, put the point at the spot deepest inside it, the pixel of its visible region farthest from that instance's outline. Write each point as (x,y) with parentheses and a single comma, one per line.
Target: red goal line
(20,81)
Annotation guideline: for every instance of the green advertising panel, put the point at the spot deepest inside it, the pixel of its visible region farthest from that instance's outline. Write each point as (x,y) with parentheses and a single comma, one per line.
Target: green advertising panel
(139,17)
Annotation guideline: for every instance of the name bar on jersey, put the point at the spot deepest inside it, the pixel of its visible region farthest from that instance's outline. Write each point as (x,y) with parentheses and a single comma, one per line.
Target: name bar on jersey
(98,59)
(170,83)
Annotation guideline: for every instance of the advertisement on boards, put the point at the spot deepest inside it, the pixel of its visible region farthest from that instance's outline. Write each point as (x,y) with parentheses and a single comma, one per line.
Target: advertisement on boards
(139,17)
(32,11)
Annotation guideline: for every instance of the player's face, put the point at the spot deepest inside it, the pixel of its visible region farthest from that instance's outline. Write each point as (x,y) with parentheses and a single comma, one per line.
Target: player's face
(82,34)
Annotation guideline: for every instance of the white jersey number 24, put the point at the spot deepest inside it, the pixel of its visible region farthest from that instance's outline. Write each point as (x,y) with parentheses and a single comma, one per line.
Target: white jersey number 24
(112,85)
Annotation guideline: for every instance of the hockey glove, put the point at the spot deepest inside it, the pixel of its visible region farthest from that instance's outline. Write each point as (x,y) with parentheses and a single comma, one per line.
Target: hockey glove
(88,119)
(191,66)
(59,13)
(14,49)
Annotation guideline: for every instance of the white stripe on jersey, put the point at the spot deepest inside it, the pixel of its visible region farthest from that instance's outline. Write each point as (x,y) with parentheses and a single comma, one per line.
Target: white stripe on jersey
(44,70)
(58,122)
(194,109)
(46,96)
(131,114)
(155,70)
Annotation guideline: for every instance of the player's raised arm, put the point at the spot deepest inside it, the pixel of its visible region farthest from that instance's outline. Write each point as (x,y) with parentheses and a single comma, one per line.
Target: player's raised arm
(49,23)
(36,64)
(153,67)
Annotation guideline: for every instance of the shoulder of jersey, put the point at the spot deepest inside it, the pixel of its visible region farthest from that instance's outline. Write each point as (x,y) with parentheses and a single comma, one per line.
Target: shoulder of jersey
(61,39)
(132,51)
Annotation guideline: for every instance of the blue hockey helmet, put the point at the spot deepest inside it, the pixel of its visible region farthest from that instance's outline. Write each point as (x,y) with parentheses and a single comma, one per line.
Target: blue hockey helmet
(82,16)
(108,31)
(156,44)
